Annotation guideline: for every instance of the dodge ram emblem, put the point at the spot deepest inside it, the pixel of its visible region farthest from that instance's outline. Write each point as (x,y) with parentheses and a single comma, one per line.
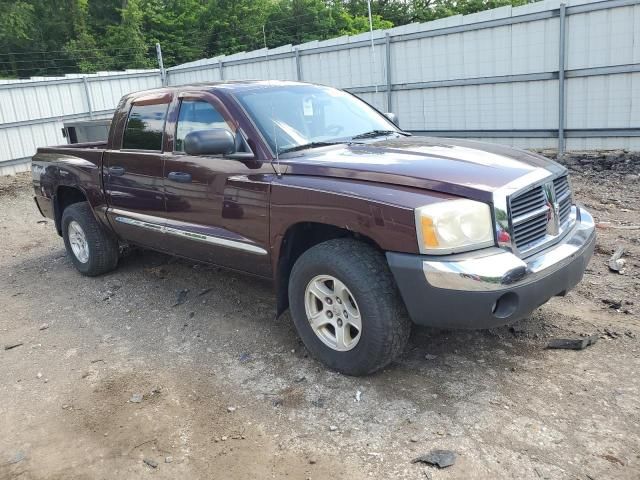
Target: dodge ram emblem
(553,212)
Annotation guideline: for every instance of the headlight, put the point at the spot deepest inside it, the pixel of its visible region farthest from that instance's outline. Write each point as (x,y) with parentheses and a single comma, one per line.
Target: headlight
(453,226)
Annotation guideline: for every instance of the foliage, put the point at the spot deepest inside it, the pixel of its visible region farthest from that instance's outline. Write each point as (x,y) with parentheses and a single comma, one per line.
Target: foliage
(47,37)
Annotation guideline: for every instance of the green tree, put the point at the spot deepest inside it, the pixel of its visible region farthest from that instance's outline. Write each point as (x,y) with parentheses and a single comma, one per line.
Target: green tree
(125,42)
(175,25)
(82,48)
(230,26)
(16,30)
(51,37)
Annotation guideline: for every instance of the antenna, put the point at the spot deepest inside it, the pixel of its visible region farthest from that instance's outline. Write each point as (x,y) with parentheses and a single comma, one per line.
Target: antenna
(275,135)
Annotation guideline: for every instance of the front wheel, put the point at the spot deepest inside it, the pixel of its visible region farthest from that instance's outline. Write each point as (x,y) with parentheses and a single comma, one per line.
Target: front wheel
(92,249)
(346,307)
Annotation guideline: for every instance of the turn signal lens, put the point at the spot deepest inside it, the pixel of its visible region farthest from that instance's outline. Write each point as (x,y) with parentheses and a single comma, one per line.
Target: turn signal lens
(429,232)
(454,226)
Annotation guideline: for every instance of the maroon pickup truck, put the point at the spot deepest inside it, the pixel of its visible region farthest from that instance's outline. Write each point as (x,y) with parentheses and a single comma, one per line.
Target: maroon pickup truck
(362,227)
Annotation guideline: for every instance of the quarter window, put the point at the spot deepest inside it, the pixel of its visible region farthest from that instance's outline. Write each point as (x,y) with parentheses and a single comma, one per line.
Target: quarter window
(196,115)
(144,127)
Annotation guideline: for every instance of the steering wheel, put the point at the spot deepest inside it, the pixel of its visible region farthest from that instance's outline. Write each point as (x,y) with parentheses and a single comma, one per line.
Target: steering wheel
(334,130)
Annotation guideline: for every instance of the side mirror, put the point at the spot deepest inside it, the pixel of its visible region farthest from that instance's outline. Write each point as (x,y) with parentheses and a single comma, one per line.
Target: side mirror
(392,117)
(217,141)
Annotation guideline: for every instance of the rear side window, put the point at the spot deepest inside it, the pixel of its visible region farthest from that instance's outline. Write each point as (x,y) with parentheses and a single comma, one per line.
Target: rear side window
(145,127)
(196,115)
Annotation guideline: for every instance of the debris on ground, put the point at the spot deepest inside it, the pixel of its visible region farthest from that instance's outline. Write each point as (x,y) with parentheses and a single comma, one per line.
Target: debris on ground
(152,463)
(168,459)
(17,458)
(332,428)
(158,272)
(358,396)
(231,409)
(605,225)
(181,297)
(429,356)
(205,291)
(613,334)
(11,346)
(626,227)
(44,326)
(136,398)
(438,458)
(616,262)
(572,343)
(245,357)
(613,304)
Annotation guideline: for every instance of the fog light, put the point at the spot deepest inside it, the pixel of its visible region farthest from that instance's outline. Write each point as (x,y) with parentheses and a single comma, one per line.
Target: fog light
(506,305)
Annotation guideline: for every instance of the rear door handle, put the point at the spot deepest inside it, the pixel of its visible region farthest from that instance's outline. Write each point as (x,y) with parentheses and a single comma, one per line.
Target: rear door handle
(181,177)
(116,171)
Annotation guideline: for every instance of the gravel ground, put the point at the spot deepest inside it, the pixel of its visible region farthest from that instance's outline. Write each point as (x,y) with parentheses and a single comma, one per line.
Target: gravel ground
(227,390)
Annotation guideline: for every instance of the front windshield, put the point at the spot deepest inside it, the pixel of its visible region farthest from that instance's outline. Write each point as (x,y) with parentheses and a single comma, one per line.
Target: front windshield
(296,115)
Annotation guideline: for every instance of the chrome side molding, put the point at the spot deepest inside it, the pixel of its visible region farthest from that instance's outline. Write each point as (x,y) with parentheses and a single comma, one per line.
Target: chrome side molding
(200,237)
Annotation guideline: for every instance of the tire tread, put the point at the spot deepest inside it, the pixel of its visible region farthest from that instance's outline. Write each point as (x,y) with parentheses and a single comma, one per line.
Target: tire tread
(103,246)
(364,260)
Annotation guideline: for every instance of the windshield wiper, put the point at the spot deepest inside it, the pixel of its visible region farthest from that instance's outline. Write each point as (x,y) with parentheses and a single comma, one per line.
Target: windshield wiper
(378,133)
(306,146)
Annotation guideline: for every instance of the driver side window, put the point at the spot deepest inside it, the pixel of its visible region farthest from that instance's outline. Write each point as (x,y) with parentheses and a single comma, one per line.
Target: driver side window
(196,115)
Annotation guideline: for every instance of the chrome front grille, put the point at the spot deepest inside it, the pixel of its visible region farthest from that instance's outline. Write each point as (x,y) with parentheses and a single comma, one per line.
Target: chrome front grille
(563,198)
(540,214)
(529,213)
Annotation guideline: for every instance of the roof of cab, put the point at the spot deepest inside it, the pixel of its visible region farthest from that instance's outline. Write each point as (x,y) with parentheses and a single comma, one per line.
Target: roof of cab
(230,85)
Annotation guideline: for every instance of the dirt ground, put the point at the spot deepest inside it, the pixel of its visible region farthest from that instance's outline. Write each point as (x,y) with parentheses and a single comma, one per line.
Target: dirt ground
(506,405)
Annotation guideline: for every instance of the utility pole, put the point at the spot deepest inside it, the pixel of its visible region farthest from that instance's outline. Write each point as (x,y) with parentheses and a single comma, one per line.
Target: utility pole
(163,73)
(373,48)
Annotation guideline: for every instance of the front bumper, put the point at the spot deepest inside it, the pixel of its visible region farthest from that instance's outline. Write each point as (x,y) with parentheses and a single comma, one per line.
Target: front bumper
(491,287)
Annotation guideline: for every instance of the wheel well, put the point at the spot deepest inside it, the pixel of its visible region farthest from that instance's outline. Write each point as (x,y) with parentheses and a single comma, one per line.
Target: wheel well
(298,239)
(65,196)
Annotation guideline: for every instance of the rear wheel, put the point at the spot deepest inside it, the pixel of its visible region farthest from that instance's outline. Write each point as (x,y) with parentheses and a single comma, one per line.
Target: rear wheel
(92,249)
(346,307)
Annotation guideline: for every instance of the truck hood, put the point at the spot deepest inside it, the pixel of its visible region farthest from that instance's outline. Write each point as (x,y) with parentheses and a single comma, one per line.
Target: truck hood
(452,166)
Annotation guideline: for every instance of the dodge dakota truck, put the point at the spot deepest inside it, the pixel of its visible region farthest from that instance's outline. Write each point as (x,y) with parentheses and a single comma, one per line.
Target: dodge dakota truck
(363,228)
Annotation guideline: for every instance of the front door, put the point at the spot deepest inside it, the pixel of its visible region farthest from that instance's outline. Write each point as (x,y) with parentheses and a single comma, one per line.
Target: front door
(217,207)
(133,174)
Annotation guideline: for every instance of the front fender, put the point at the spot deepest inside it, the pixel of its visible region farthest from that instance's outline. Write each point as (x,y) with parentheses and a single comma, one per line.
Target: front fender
(383,213)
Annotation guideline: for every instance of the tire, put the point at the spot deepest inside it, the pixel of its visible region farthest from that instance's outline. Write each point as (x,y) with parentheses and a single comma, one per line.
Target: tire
(101,252)
(371,292)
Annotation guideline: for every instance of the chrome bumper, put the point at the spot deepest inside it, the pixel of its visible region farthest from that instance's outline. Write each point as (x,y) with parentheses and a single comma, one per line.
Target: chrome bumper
(495,269)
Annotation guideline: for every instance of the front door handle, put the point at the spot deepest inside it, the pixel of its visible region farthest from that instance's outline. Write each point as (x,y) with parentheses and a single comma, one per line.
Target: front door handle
(181,177)
(116,171)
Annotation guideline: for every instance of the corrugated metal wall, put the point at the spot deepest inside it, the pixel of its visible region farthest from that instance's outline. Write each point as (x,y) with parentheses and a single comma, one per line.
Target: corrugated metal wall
(494,76)
(32,112)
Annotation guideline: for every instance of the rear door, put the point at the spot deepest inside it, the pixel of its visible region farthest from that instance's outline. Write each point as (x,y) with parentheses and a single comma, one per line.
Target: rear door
(217,207)
(133,172)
